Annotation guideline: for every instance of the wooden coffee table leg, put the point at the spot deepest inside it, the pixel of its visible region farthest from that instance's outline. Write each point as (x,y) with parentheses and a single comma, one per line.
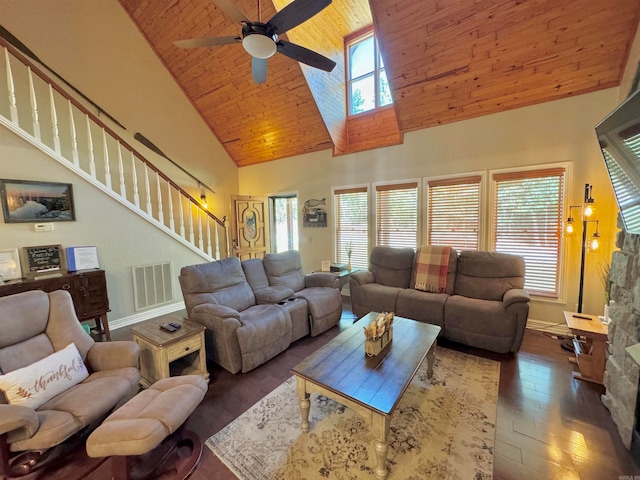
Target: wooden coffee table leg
(305,404)
(380,427)
(431,358)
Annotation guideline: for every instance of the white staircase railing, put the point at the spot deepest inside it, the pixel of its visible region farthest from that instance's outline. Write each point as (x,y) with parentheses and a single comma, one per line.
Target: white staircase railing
(51,119)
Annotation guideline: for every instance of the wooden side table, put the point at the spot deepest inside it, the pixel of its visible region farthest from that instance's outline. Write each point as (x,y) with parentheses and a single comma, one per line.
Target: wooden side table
(590,354)
(166,354)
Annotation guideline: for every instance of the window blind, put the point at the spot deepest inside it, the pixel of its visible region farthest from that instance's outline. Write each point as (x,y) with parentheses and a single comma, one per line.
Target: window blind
(527,221)
(351,226)
(453,212)
(397,215)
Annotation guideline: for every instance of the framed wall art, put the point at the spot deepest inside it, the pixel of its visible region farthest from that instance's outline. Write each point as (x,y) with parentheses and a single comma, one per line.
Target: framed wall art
(32,201)
(10,265)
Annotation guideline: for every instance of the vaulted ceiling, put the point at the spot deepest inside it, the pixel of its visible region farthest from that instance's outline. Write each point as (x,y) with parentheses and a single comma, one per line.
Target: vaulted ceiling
(446,61)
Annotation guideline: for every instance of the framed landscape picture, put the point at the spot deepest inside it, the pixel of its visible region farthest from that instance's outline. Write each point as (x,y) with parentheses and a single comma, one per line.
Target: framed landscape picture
(32,201)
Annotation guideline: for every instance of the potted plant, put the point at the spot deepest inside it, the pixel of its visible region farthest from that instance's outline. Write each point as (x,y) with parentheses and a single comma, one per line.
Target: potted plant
(605,270)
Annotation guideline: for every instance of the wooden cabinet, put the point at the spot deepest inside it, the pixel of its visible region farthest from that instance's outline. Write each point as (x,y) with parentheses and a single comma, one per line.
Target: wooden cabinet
(88,288)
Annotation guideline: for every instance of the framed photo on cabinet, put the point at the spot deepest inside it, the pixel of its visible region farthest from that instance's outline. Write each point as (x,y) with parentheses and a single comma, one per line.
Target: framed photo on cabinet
(10,265)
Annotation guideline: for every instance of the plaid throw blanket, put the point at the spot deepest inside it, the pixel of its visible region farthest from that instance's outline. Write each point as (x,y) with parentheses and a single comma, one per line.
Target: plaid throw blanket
(431,270)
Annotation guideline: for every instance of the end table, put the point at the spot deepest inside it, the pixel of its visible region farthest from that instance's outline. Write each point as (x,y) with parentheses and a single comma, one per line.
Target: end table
(166,354)
(590,354)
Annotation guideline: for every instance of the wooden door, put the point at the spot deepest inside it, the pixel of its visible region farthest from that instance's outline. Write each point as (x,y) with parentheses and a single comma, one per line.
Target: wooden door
(251,227)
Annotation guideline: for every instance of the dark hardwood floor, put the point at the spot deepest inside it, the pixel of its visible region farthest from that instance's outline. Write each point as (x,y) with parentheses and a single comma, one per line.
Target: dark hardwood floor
(550,426)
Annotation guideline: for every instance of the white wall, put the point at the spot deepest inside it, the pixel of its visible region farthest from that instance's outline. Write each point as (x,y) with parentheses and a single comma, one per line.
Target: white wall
(122,238)
(560,131)
(94,46)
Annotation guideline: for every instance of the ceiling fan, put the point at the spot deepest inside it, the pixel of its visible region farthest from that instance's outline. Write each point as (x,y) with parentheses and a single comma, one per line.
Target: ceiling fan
(261,40)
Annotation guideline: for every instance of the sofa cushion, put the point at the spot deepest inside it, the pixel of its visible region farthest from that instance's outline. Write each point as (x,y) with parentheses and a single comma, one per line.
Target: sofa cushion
(284,269)
(89,400)
(73,409)
(35,384)
(374,297)
(392,267)
(254,272)
(20,323)
(325,307)
(25,353)
(222,282)
(488,275)
(422,306)
(265,332)
(479,323)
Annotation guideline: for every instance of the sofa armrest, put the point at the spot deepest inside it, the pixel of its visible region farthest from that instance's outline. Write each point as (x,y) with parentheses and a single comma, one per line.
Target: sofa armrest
(209,314)
(362,277)
(272,294)
(515,295)
(222,324)
(112,355)
(321,279)
(14,417)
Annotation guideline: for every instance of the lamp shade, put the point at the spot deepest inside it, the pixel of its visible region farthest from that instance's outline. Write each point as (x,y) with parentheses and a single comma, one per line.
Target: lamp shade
(589,209)
(259,46)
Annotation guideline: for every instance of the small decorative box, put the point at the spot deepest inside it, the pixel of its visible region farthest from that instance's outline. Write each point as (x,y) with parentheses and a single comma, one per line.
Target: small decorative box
(378,334)
(375,346)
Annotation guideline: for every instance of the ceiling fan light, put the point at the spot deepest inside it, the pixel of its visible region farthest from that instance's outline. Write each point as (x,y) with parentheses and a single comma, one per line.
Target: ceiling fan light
(259,46)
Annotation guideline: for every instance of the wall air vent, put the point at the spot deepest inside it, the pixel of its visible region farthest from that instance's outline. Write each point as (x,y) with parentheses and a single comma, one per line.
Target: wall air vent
(152,285)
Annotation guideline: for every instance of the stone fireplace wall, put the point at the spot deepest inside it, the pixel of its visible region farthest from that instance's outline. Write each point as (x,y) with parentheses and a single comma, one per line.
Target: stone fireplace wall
(622,372)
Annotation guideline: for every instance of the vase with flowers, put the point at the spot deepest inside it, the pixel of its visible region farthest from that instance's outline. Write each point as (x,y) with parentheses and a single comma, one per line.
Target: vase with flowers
(349,248)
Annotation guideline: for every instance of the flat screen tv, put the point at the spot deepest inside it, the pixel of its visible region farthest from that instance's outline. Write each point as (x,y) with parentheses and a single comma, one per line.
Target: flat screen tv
(619,137)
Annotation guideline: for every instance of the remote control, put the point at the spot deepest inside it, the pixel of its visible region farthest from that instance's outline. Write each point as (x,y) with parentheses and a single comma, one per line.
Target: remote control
(168,327)
(176,325)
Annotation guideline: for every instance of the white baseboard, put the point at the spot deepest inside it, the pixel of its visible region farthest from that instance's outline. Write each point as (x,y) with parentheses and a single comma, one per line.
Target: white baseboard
(549,327)
(146,315)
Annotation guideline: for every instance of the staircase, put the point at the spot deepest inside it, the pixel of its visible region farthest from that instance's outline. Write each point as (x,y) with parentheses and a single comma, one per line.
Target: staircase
(62,126)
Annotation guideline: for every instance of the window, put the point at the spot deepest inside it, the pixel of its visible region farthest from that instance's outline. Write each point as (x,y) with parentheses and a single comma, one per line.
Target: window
(527,221)
(453,212)
(351,225)
(284,223)
(367,79)
(397,215)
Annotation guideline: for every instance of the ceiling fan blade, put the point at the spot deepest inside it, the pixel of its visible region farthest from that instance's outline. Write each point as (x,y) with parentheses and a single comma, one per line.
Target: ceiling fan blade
(294,14)
(206,42)
(259,69)
(228,7)
(304,55)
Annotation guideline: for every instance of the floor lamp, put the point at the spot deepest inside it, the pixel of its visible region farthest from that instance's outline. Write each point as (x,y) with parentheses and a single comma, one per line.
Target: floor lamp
(588,211)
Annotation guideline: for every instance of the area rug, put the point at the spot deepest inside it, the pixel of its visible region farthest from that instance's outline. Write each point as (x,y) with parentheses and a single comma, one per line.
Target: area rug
(443,428)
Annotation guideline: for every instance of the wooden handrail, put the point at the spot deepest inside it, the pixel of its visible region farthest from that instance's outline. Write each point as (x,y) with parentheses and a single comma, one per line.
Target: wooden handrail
(47,79)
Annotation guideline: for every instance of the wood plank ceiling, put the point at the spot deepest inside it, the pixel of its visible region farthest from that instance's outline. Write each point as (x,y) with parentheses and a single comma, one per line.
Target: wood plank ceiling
(446,60)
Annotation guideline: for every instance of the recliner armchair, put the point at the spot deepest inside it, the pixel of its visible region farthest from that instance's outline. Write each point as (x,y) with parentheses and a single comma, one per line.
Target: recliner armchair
(36,325)
(319,289)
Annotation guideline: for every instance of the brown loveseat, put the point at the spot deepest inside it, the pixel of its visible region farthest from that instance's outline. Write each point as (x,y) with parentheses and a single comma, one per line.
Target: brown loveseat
(484,304)
(253,310)
(38,330)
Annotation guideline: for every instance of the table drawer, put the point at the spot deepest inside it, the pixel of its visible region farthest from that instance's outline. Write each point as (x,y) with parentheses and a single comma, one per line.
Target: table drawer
(184,347)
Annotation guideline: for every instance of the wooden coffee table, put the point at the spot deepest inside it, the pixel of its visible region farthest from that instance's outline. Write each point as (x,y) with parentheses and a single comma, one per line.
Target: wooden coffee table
(371,386)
